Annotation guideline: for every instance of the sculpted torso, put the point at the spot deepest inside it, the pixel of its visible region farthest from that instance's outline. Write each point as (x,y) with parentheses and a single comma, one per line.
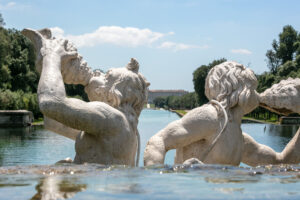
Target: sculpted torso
(229,151)
(114,146)
(104,129)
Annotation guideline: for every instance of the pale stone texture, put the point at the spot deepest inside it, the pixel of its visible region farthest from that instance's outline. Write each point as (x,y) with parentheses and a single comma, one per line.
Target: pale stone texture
(283,98)
(206,135)
(105,129)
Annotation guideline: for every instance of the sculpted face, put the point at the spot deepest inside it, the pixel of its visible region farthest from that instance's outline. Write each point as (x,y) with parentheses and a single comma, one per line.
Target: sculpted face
(251,103)
(118,86)
(100,88)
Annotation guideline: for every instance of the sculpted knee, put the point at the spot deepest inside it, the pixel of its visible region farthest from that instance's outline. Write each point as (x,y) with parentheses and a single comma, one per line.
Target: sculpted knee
(155,151)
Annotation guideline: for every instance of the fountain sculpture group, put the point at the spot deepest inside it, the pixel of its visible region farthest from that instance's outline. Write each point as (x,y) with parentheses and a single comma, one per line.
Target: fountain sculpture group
(105,129)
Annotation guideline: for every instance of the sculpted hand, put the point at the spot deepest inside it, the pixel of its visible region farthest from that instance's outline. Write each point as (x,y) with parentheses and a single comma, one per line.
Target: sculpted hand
(73,68)
(58,47)
(282,98)
(45,44)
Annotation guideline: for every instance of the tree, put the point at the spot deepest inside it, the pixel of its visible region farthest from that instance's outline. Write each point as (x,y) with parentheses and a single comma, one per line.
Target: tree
(265,81)
(2,23)
(159,102)
(272,58)
(283,50)
(199,76)
(189,101)
(17,62)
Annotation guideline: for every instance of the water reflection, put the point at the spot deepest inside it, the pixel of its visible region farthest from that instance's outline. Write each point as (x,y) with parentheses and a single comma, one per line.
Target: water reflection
(287,131)
(133,188)
(32,145)
(92,181)
(58,187)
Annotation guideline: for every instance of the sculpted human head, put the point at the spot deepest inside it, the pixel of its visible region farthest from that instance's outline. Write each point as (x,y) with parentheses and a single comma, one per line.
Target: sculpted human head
(120,87)
(232,84)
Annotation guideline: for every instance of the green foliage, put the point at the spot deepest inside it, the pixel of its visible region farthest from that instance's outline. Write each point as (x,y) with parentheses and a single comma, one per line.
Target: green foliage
(199,76)
(284,49)
(19,100)
(187,101)
(159,102)
(265,81)
(18,77)
(286,69)
(17,62)
(76,91)
(2,23)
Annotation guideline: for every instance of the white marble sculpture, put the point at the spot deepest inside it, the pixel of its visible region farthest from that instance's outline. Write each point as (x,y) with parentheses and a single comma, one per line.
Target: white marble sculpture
(283,98)
(105,129)
(212,133)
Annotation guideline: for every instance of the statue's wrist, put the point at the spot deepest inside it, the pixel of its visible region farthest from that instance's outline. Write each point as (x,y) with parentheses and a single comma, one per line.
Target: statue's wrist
(51,58)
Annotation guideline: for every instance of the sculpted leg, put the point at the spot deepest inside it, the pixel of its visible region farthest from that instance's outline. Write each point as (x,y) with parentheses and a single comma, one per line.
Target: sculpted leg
(255,154)
(291,153)
(283,98)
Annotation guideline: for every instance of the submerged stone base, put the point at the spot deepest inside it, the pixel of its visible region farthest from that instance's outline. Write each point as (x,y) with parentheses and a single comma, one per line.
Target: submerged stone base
(290,120)
(15,118)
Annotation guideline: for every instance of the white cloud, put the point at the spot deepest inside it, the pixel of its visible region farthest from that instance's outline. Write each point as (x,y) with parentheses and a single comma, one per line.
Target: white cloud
(128,36)
(8,5)
(241,51)
(179,46)
(57,32)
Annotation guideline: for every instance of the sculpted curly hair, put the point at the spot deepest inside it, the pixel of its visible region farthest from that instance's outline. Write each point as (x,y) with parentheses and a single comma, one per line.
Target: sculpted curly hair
(229,83)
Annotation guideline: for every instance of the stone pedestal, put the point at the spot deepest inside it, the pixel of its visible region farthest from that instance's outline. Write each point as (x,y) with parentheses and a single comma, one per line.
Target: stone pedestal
(15,118)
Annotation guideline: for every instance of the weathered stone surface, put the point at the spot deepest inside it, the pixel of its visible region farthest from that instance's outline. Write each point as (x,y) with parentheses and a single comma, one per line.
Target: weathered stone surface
(105,129)
(283,98)
(205,134)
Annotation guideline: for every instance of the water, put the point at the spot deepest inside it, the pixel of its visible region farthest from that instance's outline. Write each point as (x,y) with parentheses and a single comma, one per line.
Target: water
(27,172)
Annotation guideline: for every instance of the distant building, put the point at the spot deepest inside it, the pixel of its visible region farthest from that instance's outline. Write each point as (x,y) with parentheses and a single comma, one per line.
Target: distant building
(152,94)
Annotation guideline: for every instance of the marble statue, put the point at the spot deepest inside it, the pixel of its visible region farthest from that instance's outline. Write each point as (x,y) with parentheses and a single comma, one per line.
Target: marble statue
(104,129)
(212,133)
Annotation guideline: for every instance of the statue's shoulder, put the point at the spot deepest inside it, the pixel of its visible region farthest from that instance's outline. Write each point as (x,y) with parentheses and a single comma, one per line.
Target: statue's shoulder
(107,111)
(206,113)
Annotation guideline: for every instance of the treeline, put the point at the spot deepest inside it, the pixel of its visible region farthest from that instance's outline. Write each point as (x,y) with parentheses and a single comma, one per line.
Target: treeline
(18,75)
(187,101)
(283,61)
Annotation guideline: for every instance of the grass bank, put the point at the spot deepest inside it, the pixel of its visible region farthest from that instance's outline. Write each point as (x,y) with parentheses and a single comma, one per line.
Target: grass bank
(181,113)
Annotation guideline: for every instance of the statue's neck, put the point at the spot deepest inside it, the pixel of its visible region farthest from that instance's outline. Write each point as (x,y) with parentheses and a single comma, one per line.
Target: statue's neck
(236,114)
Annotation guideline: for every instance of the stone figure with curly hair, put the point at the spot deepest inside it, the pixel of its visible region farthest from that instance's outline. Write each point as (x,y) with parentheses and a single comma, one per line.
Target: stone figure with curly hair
(104,129)
(212,133)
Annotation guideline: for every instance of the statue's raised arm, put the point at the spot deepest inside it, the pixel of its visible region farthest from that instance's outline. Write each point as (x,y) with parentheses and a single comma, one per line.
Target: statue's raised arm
(109,122)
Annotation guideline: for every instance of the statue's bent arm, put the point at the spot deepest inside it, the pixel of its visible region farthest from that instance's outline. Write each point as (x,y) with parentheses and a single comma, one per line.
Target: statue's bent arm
(91,117)
(255,154)
(194,126)
(59,128)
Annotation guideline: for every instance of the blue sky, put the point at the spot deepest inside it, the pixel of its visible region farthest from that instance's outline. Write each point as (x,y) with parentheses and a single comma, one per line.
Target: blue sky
(169,38)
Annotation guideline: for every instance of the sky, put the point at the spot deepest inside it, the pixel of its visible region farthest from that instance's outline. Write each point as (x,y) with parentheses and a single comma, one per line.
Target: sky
(169,38)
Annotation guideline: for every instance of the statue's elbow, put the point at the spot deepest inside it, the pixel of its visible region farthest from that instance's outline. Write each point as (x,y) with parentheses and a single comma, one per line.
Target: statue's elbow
(48,106)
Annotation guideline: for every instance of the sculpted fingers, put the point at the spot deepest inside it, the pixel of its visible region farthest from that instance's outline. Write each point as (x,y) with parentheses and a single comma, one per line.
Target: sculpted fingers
(283,98)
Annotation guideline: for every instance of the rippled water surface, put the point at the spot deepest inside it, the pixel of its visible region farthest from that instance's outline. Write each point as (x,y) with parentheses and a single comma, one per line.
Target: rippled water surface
(27,170)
